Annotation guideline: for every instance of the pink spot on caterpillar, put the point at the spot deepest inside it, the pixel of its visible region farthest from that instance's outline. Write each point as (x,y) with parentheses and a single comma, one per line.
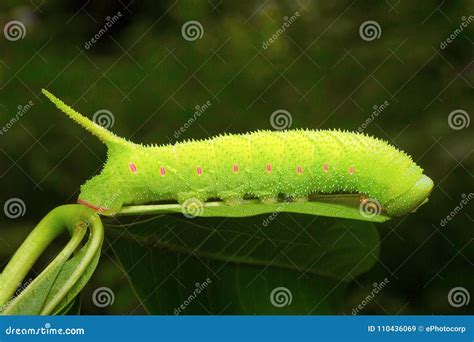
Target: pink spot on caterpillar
(132,167)
(199,171)
(236,168)
(351,170)
(162,171)
(269,168)
(299,169)
(326,168)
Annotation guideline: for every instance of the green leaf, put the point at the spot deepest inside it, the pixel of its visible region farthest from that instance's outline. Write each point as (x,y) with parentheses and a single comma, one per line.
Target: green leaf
(76,272)
(73,308)
(342,206)
(245,259)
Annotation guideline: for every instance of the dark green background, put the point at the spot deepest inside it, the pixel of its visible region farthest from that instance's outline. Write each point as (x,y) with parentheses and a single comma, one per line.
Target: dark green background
(320,70)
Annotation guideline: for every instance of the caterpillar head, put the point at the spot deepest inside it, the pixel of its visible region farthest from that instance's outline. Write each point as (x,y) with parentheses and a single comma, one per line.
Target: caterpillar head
(121,181)
(97,194)
(411,199)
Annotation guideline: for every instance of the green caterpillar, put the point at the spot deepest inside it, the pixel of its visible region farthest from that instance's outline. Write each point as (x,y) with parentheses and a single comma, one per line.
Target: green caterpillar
(262,164)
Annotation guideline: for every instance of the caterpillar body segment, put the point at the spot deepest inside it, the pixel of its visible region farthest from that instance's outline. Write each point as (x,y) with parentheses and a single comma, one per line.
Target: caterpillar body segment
(262,164)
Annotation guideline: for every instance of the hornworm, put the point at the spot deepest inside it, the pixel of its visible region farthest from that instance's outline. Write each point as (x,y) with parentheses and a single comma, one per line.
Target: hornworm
(261,164)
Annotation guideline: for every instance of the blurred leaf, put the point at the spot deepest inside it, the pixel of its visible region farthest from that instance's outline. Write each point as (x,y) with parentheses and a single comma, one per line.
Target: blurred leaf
(168,258)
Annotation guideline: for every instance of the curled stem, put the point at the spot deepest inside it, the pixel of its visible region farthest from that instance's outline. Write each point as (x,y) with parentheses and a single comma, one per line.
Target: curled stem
(60,219)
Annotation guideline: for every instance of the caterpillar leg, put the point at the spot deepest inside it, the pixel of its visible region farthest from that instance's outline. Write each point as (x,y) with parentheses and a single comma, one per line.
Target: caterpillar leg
(233,200)
(299,198)
(268,199)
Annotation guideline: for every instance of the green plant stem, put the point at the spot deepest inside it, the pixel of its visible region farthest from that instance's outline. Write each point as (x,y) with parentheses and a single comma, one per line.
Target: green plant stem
(50,227)
(331,205)
(77,236)
(167,208)
(94,247)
